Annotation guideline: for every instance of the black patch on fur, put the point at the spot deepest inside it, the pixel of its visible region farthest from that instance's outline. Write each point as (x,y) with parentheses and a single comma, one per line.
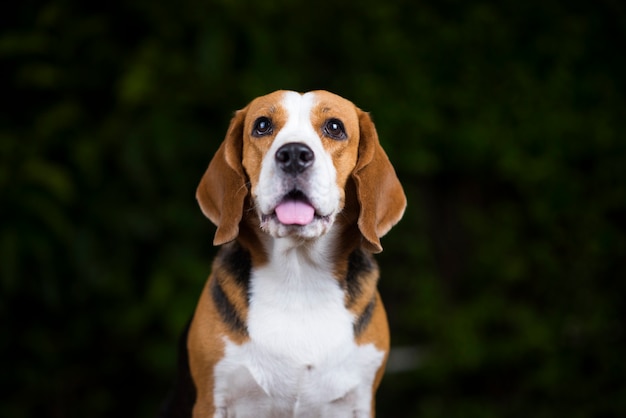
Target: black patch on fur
(238,263)
(182,396)
(359,263)
(226,309)
(365,318)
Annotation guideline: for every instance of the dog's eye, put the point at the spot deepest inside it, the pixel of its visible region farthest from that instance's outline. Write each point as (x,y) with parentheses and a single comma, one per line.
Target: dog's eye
(334,129)
(262,127)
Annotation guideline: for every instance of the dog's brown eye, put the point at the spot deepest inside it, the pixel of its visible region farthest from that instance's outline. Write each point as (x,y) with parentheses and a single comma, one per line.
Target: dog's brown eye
(262,127)
(334,129)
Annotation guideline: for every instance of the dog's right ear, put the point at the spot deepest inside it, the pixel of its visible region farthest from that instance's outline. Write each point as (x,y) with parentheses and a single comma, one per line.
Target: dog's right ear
(379,191)
(222,190)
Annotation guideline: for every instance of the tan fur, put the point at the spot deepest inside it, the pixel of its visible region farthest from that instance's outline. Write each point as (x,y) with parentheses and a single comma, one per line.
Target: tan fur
(379,190)
(205,348)
(222,190)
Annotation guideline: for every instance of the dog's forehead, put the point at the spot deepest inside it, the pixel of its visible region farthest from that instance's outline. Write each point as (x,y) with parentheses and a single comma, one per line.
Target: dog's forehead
(316,105)
(329,102)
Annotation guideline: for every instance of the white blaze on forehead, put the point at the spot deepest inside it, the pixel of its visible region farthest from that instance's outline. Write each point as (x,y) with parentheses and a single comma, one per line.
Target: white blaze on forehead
(298,127)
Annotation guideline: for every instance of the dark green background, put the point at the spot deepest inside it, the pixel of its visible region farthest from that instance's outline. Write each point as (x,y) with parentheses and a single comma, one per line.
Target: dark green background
(505,122)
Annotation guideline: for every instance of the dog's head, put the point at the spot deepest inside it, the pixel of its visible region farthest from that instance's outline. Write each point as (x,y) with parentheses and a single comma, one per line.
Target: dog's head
(294,155)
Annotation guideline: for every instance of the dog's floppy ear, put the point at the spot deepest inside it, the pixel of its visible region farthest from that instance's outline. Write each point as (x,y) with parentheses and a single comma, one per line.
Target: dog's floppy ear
(381,198)
(222,190)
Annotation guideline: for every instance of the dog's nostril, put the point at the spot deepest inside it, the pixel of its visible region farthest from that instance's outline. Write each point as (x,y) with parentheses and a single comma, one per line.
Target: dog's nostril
(294,157)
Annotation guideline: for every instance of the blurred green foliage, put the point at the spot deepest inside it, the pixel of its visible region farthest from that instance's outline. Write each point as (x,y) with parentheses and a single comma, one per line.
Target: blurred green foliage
(505,122)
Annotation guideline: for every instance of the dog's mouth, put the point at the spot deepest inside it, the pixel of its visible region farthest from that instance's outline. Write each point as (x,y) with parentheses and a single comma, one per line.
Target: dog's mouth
(296,215)
(294,209)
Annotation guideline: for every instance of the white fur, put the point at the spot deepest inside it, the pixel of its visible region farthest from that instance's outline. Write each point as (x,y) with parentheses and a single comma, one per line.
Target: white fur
(301,360)
(318,182)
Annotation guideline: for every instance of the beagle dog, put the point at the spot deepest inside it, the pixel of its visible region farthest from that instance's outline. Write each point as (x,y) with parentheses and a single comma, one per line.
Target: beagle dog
(290,323)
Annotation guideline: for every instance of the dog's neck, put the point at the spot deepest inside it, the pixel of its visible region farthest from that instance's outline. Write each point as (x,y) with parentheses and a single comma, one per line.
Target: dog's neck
(294,254)
(326,254)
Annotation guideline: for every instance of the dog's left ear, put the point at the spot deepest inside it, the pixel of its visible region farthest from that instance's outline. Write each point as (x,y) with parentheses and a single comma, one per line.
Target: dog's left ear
(222,190)
(380,194)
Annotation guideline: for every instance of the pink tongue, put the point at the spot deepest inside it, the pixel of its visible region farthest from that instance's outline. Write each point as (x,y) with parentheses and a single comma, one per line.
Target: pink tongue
(295,212)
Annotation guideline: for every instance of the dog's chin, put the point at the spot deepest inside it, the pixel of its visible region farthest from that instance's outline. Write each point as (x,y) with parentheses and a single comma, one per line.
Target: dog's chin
(319,226)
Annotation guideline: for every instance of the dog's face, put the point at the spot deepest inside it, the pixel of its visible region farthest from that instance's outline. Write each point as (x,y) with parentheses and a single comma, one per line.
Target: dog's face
(298,151)
(290,156)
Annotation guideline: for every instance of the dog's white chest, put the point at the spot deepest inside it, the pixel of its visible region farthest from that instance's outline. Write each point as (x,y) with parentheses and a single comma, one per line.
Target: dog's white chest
(301,359)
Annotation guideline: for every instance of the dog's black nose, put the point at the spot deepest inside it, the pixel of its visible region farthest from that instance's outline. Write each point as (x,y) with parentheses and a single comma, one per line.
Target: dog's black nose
(294,158)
